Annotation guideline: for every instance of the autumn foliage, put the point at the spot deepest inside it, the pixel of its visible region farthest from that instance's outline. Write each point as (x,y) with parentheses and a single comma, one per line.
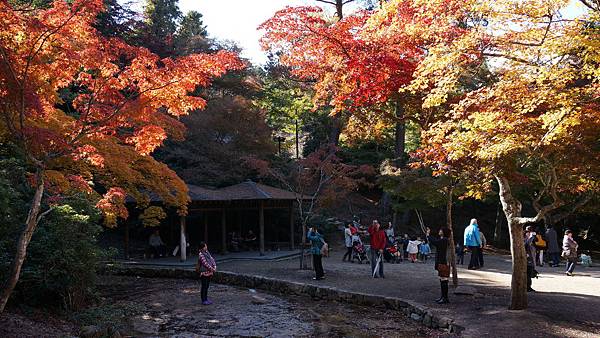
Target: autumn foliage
(122,102)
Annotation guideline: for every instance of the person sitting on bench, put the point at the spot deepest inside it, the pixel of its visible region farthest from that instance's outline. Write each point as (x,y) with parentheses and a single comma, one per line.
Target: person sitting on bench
(250,240)
(157,246)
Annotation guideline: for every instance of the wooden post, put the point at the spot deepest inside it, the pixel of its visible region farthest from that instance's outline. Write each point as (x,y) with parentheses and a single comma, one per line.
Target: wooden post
(261,227)
(126,240)
(291,210)
(223,232)
(182,240)
(205,228)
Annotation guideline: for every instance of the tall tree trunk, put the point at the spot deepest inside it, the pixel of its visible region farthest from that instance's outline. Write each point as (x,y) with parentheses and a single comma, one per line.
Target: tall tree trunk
(339,9)
(336,130)
(498,228)
(400,131)
(512,210)
(449,200)
(24,239)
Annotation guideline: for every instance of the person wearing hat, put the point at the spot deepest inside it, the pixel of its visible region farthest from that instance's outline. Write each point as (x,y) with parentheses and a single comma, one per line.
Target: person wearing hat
(530,251)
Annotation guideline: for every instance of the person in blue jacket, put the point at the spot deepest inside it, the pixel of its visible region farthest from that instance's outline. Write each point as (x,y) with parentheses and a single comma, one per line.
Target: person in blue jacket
(317,242)
(473,242)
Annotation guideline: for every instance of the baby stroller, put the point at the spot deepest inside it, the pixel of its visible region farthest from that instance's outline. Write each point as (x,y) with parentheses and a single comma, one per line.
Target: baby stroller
(359,252)
(392,254)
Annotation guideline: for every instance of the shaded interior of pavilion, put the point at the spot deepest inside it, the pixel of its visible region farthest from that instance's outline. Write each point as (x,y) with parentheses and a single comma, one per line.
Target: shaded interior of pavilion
(214,215)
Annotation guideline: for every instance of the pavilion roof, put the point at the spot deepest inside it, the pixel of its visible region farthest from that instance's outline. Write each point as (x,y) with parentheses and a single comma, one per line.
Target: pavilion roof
(247,190)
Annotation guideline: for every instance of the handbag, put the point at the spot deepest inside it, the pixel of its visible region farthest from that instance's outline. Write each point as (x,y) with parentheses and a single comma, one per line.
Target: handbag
(325,249)
(443,270)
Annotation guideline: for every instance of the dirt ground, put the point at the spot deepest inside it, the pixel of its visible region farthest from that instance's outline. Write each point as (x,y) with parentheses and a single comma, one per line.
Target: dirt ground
(171,308)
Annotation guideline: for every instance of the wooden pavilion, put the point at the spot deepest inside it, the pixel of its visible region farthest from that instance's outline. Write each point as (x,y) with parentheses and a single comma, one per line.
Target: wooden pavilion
(234,207)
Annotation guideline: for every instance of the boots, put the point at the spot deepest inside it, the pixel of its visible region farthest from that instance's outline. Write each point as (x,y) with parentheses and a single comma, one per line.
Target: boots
(444,298)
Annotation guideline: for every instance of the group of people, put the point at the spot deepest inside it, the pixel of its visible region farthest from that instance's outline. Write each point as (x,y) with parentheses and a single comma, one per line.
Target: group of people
(381,239)
(536,244)
(395,249)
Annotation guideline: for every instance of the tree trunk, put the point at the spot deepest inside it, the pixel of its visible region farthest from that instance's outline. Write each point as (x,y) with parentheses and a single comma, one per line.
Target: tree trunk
(339,8)
(498,229)
(451,242)
(512,210)
(24,239)
(336,130)
(400,132)
(302,246)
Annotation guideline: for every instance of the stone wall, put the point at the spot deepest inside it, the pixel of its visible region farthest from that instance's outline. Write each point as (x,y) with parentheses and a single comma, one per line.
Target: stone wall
(413,311)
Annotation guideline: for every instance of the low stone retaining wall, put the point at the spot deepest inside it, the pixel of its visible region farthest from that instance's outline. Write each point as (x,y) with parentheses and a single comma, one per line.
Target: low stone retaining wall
(414,311)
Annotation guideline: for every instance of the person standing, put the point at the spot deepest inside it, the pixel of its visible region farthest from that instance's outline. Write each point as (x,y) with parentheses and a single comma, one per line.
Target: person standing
(569,251)
(441,260)
(473,242)
(317,242)
(483,244)
(540,245)
(206,266)
(378,241)
(530,252)
(347,242)
(553,248)
(389,233)
(157,246)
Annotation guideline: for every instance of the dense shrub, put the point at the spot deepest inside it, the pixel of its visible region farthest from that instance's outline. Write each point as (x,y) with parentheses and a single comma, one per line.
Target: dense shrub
(59,270)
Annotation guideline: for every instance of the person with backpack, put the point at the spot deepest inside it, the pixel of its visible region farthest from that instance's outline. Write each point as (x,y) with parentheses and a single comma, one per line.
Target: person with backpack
(206,267)
(530,252)
(472,240)
(569,252)
(318,249)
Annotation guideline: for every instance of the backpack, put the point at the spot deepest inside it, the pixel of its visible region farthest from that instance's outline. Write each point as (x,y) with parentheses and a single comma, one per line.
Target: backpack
(540,243)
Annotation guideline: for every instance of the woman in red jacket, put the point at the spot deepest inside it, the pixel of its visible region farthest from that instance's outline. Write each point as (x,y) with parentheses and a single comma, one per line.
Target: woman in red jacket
(378,241)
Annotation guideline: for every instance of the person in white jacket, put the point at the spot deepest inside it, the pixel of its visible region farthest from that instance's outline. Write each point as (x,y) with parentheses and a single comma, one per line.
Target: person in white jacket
(413,249)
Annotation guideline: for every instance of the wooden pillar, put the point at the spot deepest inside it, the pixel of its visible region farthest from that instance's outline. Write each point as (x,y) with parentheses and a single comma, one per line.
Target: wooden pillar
(182,240)
(126,240)
(291,210)
(223,231)
(261,227)
(205,228)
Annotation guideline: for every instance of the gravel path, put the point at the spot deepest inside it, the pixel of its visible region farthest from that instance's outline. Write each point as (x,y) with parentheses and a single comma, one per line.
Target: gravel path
(563,306)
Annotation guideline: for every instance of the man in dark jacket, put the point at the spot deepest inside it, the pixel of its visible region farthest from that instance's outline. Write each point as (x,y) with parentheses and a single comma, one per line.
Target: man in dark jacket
(530,251)
(378,240)
(553,248)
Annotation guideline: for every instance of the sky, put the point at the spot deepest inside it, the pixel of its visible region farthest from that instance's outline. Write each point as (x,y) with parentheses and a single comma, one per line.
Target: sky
(237,20)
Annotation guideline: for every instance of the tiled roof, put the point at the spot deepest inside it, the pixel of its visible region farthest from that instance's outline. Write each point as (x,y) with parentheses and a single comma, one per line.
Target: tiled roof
(247,190)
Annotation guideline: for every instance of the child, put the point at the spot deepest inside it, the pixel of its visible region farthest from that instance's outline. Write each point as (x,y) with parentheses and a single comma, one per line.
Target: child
(424,250)
(460,254)
(413,249)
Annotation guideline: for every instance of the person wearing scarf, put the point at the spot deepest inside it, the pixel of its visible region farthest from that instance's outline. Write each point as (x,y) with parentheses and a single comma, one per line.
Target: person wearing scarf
(206,267)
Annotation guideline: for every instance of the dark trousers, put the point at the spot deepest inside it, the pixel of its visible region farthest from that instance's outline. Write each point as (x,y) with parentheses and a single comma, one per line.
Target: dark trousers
(158,251)
(480,257)
(348,253)
(474,262)
(529,276)
(374,256)
(460,258)
(571,264)
(555,258)
(318,265)
(205,283)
